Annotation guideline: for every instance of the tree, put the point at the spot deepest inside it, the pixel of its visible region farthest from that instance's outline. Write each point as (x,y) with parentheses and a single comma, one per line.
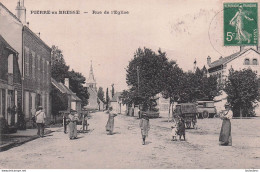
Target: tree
(113,90)
(100,94)
(76,85)
(151,70)
(107,99)
(59,69)
(59,101)
(197,86)
(242,88)
(174,85)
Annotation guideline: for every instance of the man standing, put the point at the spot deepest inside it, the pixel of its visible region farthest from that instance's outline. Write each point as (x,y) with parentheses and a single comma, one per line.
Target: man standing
(40,121)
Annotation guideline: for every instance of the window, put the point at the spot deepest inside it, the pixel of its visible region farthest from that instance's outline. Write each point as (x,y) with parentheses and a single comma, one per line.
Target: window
(43,70)
(39,68)
(33,65)
(26,62)
(247,62)
(47,72)
(255,62)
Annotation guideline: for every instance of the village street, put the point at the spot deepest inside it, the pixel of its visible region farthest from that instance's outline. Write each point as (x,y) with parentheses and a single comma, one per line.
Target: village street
(124,149)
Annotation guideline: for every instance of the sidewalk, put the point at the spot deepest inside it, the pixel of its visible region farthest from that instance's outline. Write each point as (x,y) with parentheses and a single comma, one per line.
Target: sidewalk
(20,137)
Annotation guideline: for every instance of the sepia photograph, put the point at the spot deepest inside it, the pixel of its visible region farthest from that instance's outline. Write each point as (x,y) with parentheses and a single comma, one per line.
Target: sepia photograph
(129,84)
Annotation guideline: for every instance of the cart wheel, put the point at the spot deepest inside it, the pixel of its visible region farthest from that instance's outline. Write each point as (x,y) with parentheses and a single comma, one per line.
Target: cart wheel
(205,114)
(188,124)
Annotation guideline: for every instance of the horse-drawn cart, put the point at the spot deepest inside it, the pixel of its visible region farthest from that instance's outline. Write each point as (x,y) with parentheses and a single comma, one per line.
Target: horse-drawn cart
(186,111)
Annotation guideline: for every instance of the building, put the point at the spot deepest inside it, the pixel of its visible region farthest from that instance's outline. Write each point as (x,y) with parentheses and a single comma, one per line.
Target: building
(10,83)
(33,60)
(74,102)
(36,74)
(163,105)
(94,103)
(116,103)
(246,58)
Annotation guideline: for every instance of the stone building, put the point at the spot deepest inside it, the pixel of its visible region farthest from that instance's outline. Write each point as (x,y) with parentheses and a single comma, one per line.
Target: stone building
(33,57)
(94,103)
(246,58)
(10,83)
(117,104)
(36,74)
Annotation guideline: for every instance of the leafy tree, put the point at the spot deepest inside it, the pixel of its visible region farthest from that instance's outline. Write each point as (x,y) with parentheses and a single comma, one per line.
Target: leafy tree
(100,94)
(197,86)
(76,85)
(59,69)
(152,69)
(59,101)
(242,88)
(107,99)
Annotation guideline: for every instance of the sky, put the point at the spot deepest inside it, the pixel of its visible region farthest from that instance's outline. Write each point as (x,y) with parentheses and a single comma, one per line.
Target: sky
(186,30)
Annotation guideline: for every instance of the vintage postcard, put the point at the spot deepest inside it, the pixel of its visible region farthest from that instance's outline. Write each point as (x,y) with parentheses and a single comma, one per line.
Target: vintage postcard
(129,84)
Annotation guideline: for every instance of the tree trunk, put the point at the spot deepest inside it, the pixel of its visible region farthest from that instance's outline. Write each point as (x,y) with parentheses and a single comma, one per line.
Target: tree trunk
(240,112)
(169,112)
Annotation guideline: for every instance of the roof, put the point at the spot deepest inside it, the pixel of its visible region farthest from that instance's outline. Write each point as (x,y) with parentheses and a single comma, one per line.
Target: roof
(14,16)
(37,37)
(116,95)
(229,58)
(7,45)
(62,88)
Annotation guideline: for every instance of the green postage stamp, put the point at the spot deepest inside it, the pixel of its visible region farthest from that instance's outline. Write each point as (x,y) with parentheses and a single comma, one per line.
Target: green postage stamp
(240,24)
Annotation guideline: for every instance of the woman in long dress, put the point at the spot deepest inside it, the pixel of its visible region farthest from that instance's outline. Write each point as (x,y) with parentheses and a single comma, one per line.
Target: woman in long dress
(225,138)
(238,22)
(145,127)
(110,121)
(72,125)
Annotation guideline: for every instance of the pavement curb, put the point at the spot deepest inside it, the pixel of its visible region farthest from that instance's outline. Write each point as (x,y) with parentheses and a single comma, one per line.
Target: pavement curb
(14,144)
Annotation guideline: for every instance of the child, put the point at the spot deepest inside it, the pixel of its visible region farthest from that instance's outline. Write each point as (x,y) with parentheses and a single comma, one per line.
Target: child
(174,132)
(181,129)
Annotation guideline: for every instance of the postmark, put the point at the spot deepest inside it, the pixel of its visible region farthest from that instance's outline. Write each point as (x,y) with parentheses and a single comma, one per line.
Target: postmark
(240,24)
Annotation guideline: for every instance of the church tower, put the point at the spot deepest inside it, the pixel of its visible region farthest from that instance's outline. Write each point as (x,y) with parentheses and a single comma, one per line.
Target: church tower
(91,82)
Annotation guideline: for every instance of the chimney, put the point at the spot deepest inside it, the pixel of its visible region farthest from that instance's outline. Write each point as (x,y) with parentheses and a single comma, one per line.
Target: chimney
(242,48)
(209,60)
(67,82)
(21,12)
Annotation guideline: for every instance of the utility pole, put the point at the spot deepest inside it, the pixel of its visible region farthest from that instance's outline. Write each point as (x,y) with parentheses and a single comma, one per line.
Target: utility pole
(138,82)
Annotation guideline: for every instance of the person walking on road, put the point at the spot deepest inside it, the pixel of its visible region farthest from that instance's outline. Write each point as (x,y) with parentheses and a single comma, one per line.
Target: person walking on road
(85,122)
(225,138)
(145,127)
(72,124)
(110,121)
(40,121)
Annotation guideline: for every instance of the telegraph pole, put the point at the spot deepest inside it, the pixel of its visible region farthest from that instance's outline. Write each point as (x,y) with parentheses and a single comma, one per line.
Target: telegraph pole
(138,82)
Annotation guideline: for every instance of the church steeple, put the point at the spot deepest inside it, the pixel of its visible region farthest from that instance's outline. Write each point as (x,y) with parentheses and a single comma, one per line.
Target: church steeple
(91,82)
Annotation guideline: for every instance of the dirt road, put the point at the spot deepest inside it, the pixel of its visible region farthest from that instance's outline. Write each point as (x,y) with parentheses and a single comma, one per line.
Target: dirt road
(124,149)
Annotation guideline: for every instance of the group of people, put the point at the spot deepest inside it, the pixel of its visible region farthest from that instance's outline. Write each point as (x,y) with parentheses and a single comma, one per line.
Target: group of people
(178,128)
(72,120)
